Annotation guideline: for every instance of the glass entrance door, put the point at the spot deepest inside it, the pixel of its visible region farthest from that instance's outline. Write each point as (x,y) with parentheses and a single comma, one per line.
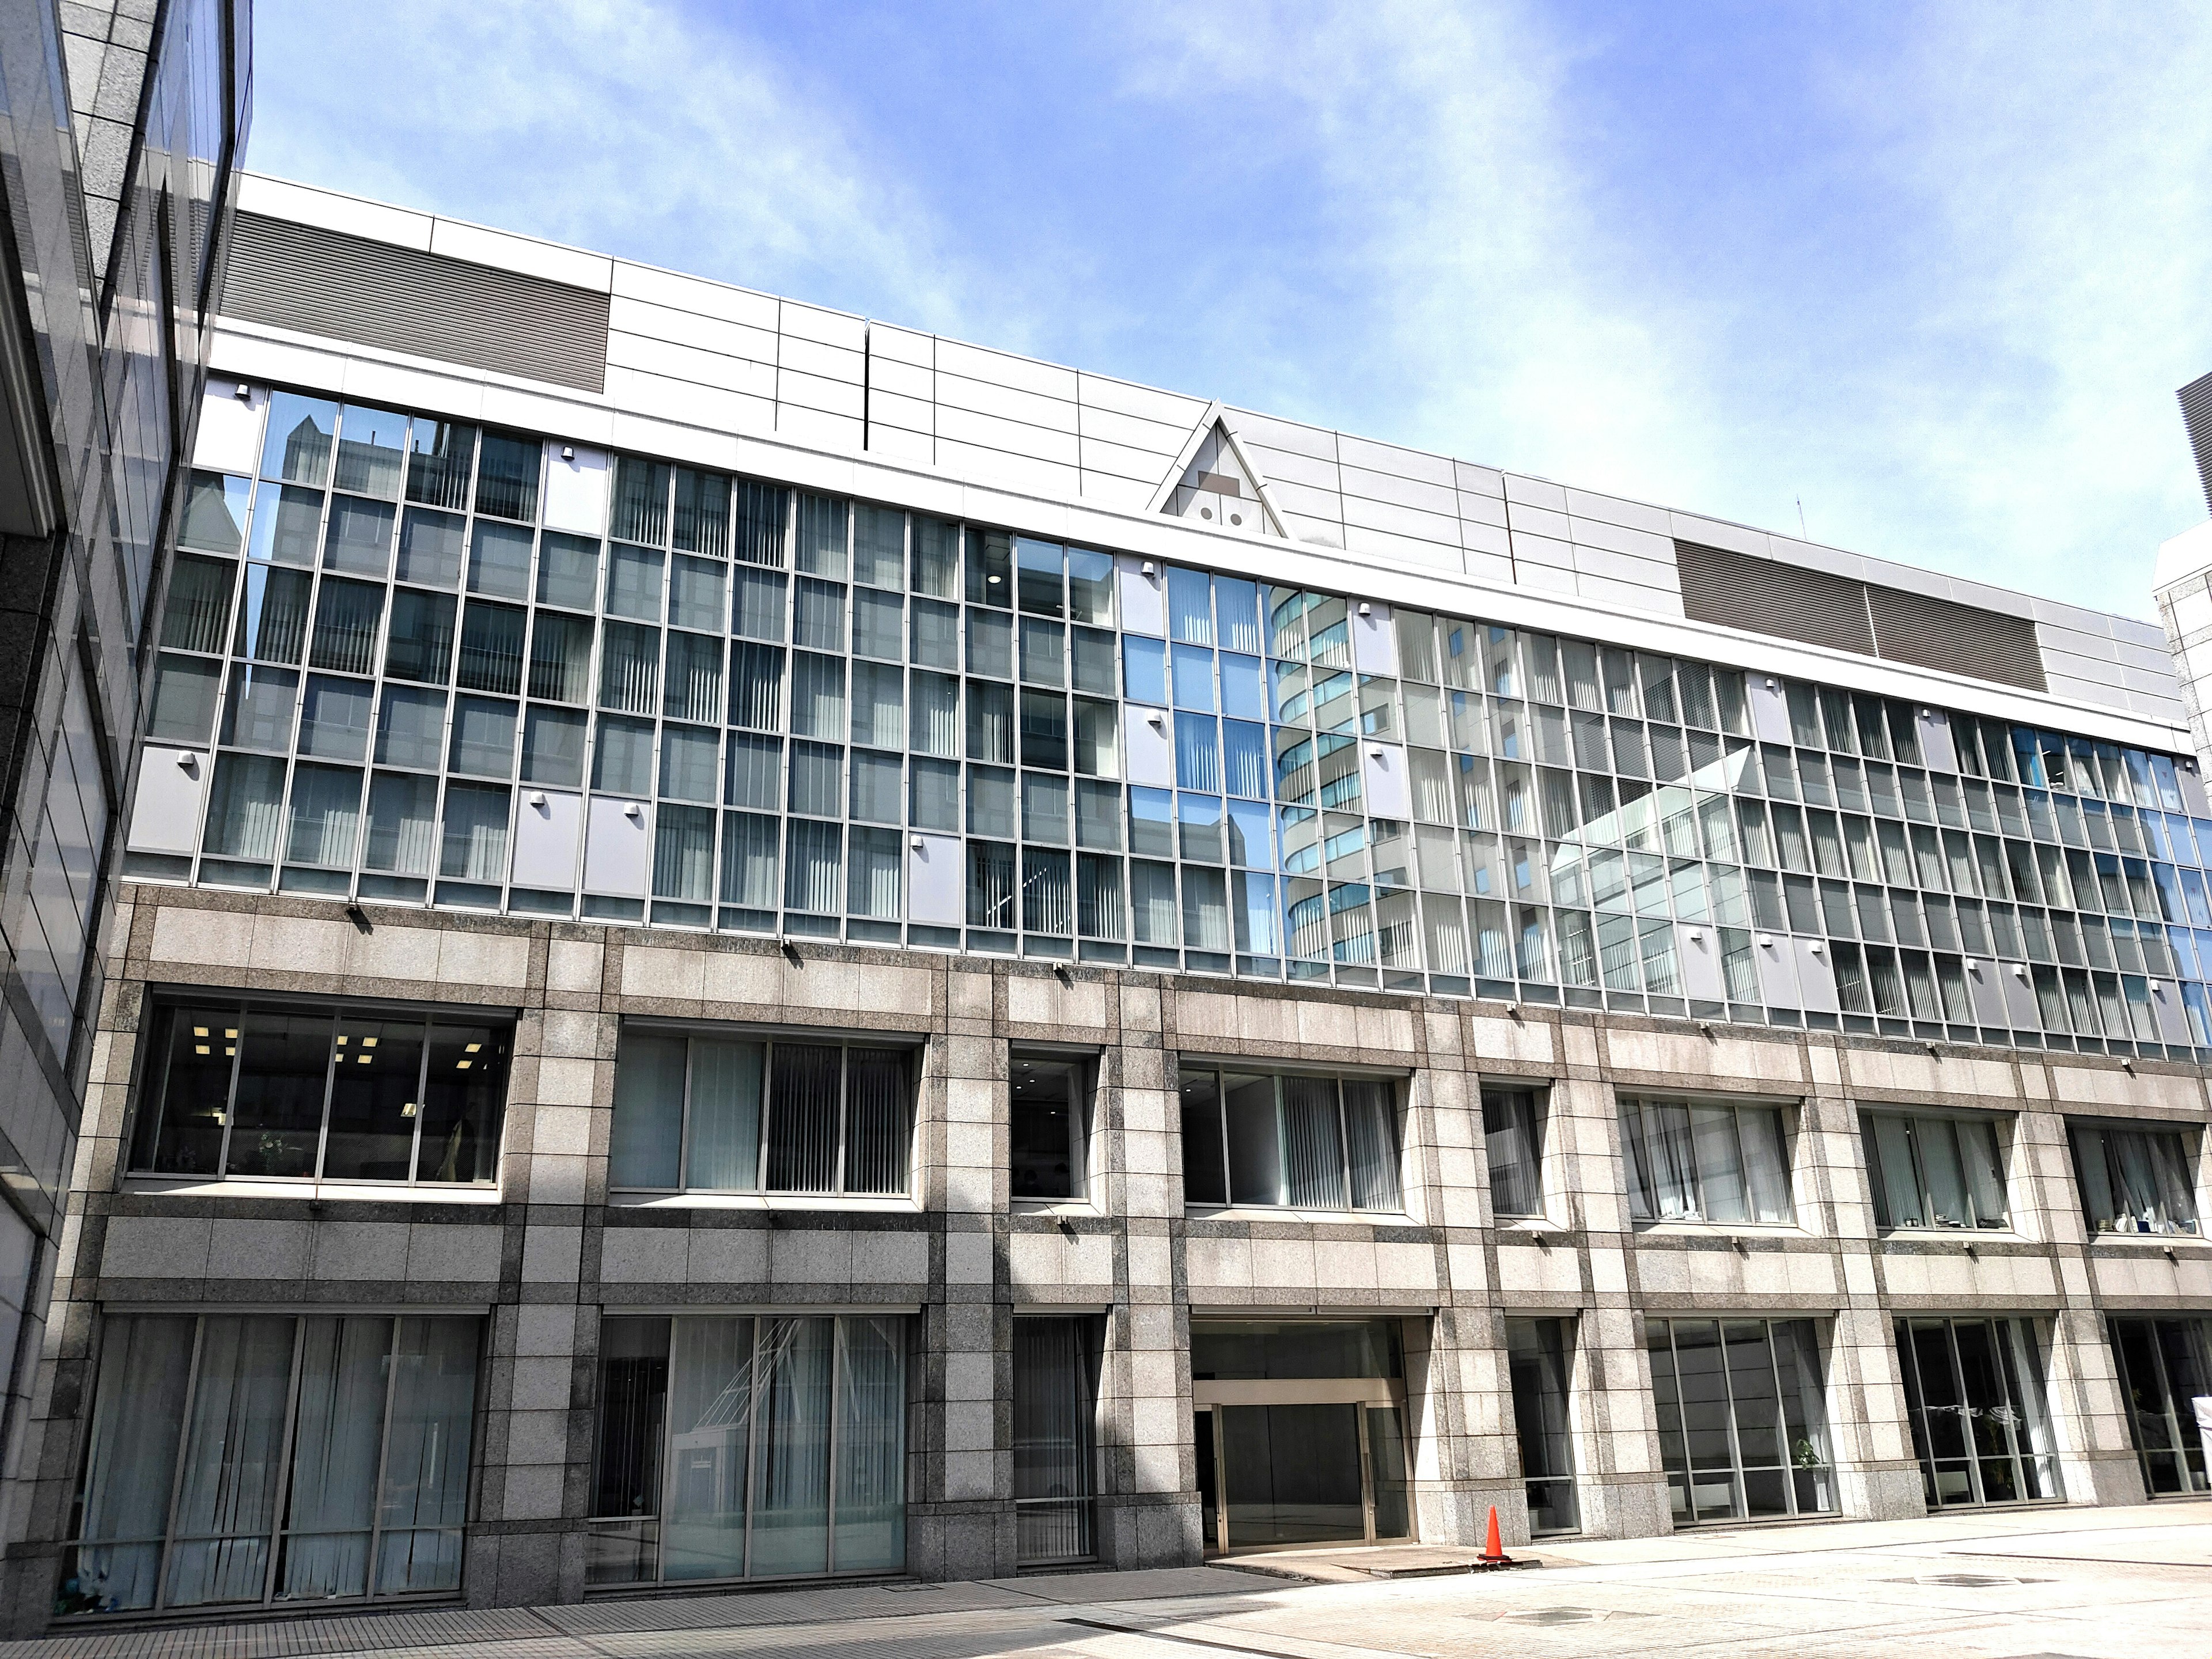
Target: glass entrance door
(1294,1475)
(1973,1390)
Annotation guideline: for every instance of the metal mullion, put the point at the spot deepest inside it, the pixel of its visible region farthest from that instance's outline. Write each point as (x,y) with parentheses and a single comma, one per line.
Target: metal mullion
(1782,1421)
(177,1476)
(329,1078)
(844,1091)
(752,1435)
(230,1095)
(1220,1480)
(278,1532)
(667,1450)
(422,1100)
(1965,1416)
(369,1571)
(1221,1120)
(1735,1437)
(683,1125)
(769,1092)
(837,1364)
(2166,1393)
(1366,1473)
(1909,1357)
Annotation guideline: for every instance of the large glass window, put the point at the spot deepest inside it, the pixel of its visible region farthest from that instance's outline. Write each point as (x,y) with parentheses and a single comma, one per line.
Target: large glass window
(1055,1441)
(1928,1169)
(256,1091)
(1973,1392)
(1705,1161)
(2135,1177)
(1540,1356)
(1513,1140)
(1049,1106)
(1290,1139)
(2166,1367)
(725,1112)
(734,1446)
(1743,1426)
(264,1458)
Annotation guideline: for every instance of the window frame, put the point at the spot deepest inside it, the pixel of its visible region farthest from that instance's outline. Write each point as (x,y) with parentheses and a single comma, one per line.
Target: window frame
(1397,1114)
(1913,1117)
(1539,1092)
(911,1049)
(1636,1158)
(151,1094)
(2189,1147)
(1083,1066)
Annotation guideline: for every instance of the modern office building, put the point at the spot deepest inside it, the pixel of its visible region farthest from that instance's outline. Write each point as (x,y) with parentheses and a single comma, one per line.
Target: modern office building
(760,945)
(120,122)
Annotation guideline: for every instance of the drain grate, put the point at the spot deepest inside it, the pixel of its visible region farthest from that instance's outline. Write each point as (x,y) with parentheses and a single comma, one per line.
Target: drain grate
(1966,1580)
(1563,1616)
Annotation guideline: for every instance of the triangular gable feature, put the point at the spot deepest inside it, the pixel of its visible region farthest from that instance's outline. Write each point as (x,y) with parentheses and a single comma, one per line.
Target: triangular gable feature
(1211,482)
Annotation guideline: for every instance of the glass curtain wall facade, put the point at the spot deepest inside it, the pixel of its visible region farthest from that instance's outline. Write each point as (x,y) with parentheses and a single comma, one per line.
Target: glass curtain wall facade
(735,1447)
(741,706)
(263,1459)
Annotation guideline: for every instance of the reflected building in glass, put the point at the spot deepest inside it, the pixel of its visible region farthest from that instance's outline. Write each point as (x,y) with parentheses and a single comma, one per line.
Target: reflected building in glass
(831,954)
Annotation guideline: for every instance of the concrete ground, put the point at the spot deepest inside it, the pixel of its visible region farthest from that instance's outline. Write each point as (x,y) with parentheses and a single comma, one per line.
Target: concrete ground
(2107,1584)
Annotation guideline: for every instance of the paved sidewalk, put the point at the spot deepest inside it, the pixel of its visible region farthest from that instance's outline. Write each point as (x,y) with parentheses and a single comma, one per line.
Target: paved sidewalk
(2108,1583)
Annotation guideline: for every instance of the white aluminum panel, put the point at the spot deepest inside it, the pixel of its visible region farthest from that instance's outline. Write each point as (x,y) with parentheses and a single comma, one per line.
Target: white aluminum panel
(2022,1013)
(1374,640)
(1986,995)
(935,891)
(504,252)
(1770,708)
(618,849)
(1472,480)
(2166,1005)
(1392,461)
(801,425)
(172,785)
(1173,409)
(1816,976)
(695,294)
(1002,368)
(280,198)
(888,343)
(1382,777)
(576,489)
(1778,970)
(229,439)
(1936,745)
(1698,951)
(824,327)
(1144,604)
(2192,789)
(548,829)
(1148,734)
(643,319)
(914,380)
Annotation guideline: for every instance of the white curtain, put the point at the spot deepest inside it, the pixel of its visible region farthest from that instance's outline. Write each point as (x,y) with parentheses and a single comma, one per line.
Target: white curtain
(340,1422)
(722,1150)
(226,1492)
(878,705)
(1101,912)
(1152,902)
(684,852)
(1371,1124)
(710,1409)
(818,697)
(1048,903)
(130,1459)
(879,546)
(879,1120)
(873,881)
(1313,1145)
(1205,908)
(1198,753)
(647,1134)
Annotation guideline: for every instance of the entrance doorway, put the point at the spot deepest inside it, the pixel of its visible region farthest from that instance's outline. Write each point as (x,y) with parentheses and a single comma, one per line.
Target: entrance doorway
(1973,1389)
(1287,1458)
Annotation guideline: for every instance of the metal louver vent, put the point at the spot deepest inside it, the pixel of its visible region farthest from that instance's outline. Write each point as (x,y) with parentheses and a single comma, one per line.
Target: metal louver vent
(2197,416)
(324,281)
(1766,597)
(1814,607)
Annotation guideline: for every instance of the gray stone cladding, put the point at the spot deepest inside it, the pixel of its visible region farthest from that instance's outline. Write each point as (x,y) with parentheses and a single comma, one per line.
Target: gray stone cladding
(547,1255)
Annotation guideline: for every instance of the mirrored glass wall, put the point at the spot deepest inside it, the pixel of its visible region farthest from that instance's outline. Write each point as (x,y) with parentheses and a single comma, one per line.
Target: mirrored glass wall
(416,661)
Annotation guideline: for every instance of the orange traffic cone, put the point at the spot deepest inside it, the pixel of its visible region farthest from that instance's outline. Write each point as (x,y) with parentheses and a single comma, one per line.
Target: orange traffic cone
(1493,1548)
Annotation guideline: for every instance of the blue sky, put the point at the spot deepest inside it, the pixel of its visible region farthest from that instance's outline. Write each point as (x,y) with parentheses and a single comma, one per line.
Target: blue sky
(1934,271)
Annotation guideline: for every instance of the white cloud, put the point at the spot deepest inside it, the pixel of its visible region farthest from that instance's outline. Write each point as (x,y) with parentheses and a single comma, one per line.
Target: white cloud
(626,128)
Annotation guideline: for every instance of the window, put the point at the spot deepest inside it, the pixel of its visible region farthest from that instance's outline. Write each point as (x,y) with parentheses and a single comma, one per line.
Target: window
(2165,1366)
(1050,1103)
(1513,1138)
(728,1114)
(732,1447)
(2135,1178)
(1974,1395)
(262,1458)
(1540,1356)
(1703,1162)
(1743,1430)
(1929,1171)
(1290,1139)
(261,1092)
(1055,1450)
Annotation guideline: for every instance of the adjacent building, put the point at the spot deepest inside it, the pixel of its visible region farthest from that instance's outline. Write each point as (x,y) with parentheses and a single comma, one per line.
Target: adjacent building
(759,946)
(120,123)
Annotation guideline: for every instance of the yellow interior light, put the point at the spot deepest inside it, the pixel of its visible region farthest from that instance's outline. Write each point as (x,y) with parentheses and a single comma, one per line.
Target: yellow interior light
(408,1110)
(368,1042)
(460,1066)
(231,1035)
(230,1050)
(364,1059)
(199,1030)
(199,1047)
(472,1048)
